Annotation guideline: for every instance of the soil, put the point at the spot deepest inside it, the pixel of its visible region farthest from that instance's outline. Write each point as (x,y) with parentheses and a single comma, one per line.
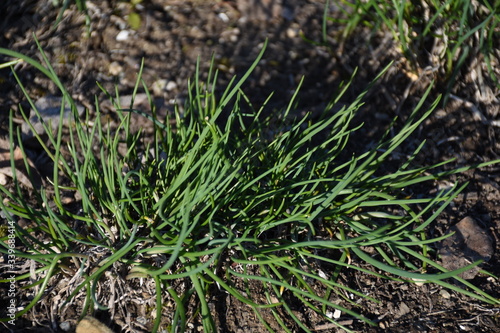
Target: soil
(172,35)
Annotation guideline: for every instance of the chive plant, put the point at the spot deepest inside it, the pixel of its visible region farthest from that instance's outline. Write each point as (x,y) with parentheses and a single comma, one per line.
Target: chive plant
(224,203)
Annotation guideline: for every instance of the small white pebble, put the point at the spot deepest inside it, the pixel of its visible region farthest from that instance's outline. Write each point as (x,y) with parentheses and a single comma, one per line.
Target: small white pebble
(444,294)
(171,85)
(274,300)
(3,179)
(233,38)
(337,313)
(291,33)
(123,35)
(65,326)
(159,86)
(223,17)
(419,282)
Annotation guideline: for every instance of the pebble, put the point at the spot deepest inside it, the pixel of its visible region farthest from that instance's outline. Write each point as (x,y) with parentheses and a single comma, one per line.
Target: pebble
(115,68)
(123,35)
(444,294)
(419,282)
(159,86)
(171,85)
(223,17)
(403,310)
(65,326)
(91,325)
(291,32)
(50,110)
(3,179)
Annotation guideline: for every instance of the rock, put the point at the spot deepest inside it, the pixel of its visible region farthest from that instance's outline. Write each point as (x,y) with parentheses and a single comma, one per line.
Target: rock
(469,243)
(115,68)
(50,111)
(403,310)
(444,294)
(123,35)
(91,325)
(171,85)
(65,326)
(159,86)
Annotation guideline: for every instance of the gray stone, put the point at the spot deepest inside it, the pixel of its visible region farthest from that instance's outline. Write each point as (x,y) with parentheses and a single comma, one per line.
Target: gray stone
(469,244)
(50,111)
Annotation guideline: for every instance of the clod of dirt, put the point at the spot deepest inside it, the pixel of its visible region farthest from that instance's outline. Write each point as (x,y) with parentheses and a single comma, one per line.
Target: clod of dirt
(469,243)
